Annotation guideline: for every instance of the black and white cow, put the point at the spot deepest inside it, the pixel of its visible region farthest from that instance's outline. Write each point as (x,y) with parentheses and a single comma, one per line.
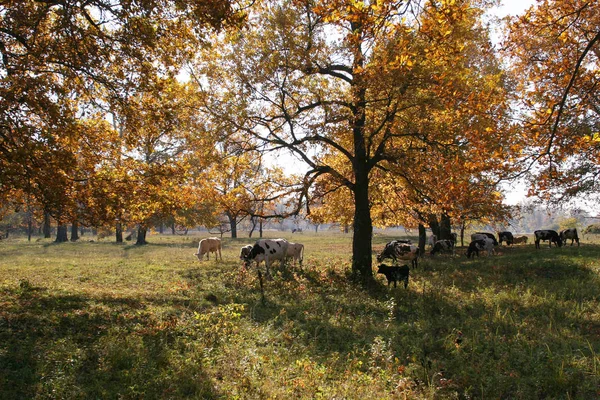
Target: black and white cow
(490,235)
(549,235)
(480,245)
(268,250)
(444,245)
(570,233)
(244,251)
(506,237)
(396,250)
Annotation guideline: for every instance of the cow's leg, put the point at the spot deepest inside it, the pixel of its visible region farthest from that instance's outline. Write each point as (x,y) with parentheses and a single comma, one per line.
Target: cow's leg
(220,256)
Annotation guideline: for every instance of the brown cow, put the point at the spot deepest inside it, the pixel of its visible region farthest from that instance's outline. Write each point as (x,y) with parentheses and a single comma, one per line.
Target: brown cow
(520,239)
(209,245)
(295,251)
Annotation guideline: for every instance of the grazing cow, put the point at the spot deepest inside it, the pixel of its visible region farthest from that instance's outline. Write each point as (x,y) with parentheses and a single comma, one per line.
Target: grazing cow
(244,251)
(395,274)
(209,245)
(520,239)
(398,250)
(549,235)
(268,250)
(296,251)
(480,245)
(570,233)
(506,237)
(490,235)
(444,245)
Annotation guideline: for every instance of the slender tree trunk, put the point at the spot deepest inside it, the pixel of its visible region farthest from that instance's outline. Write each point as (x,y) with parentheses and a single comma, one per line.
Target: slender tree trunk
(233,225)
(47,227)
(173,228)
(252,226)
(260,228)
(61,234)
(29,224)
(119,232)
(141,236)
(422,238)
(462,233)
(74,231)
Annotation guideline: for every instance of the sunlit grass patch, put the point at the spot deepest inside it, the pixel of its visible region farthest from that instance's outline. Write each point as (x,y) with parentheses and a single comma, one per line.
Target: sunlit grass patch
(99,320)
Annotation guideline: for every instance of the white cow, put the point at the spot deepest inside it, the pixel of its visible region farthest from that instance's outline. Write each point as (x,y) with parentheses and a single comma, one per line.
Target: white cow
(296,251)
(209,245)
(268,250)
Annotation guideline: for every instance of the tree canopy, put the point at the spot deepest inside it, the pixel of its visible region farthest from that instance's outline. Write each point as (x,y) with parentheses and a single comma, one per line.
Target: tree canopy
(554,49)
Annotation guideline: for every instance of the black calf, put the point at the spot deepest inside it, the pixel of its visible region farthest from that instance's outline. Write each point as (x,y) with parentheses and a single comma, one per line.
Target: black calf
(395,274)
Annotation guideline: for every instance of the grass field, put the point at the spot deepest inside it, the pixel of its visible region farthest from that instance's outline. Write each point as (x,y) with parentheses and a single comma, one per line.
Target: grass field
(107,321)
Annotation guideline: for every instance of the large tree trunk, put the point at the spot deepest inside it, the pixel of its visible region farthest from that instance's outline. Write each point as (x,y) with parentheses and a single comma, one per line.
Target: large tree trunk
(61,234)
(47,227)
(141,236)
(362,237)
(435,226)
(445,228)
(74,231)
(363,226)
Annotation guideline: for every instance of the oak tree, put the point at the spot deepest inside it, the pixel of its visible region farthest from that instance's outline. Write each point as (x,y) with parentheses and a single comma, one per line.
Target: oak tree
(357,89)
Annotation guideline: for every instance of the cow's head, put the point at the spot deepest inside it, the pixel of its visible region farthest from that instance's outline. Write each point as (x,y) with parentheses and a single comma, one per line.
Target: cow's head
(256,250)
(559,241)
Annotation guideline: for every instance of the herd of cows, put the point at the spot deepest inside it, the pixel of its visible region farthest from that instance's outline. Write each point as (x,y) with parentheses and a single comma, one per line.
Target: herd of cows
(269,250)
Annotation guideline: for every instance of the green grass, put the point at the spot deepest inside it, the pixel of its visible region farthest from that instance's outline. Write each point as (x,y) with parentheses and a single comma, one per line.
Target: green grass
(100,320)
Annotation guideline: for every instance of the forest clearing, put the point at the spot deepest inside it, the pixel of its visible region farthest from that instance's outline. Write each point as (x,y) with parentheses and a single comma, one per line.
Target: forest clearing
(104,320)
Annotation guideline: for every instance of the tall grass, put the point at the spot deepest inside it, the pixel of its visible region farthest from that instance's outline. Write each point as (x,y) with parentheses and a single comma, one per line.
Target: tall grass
(100,320)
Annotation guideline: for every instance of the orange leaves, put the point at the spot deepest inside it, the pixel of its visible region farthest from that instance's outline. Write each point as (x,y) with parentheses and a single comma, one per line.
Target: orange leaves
(548,49)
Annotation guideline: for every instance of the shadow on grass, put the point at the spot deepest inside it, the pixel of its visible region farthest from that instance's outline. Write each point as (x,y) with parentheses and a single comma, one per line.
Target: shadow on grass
(54,345)
(508,325)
